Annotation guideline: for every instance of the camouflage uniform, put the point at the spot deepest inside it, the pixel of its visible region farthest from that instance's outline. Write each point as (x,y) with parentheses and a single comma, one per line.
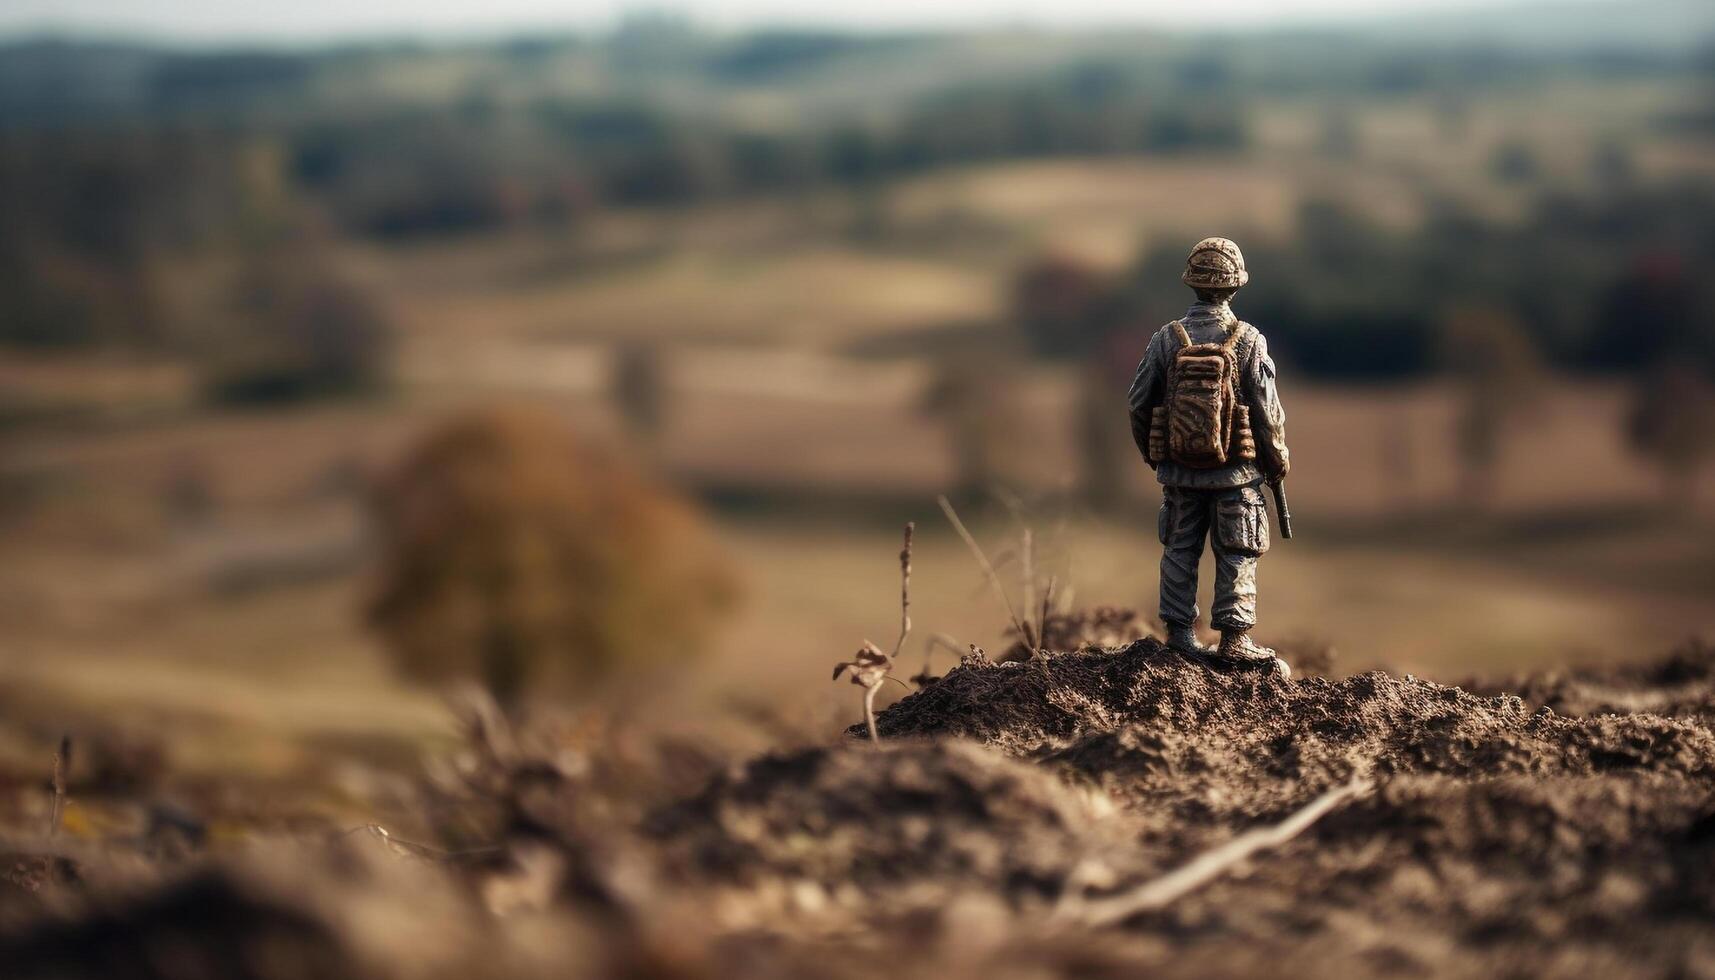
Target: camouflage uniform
(1227,500)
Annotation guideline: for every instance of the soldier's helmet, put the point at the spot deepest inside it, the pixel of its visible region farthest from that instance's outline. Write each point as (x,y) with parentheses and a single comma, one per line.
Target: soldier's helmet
(1216,263)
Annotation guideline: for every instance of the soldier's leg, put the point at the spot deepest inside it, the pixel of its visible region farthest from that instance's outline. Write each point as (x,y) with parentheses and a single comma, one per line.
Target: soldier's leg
(1184,524)
(1240,538)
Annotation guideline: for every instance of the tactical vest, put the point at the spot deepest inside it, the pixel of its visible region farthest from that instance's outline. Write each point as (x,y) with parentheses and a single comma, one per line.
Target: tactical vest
(1203,424)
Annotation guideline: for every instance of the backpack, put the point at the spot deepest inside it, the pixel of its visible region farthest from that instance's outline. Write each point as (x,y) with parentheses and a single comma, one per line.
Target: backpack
(1202,424)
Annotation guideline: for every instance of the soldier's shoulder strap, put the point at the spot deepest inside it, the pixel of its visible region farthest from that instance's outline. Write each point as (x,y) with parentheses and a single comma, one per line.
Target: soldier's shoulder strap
(1178,327)
(1241,332)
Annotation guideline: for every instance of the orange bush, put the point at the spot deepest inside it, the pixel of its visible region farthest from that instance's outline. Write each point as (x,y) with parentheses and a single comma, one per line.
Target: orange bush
(516,554)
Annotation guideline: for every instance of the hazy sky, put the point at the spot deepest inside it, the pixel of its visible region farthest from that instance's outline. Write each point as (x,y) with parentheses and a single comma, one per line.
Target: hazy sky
(295,20)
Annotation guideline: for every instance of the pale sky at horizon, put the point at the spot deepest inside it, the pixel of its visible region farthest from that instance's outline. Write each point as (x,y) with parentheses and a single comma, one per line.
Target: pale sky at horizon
(290,21)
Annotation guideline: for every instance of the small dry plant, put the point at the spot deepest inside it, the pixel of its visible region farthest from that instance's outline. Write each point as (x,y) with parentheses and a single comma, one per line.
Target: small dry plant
(872,667)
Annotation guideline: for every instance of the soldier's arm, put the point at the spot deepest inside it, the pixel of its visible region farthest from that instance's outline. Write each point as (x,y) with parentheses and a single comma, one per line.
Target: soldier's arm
(1268,419)
(1147,392)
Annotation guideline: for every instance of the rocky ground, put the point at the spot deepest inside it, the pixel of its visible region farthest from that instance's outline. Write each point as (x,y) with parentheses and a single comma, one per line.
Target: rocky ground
(1010,816)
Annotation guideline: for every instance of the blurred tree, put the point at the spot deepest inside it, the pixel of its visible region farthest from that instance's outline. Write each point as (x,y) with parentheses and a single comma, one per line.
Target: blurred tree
(1453,116)
(188,494)
(763,162)
(1105,448)
(293,327)
(1672,424)
(1056,300)
(1514,163)
(1066,306)
(1396,458)
(1613,166)
(49,299)
(290,325)
(1500,380)
(638,388)
(976,400)
(871,219)
(88,220)
(773,55)
(1340,138)
(516,554)
(1655,311)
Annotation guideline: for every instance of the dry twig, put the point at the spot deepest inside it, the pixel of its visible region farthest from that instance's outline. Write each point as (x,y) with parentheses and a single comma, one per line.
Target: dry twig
(1160,892)
(905,588)
(400,845)
(62,766)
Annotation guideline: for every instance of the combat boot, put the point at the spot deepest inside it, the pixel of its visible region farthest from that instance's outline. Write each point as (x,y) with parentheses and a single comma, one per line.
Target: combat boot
(1183,638)
(1237,646)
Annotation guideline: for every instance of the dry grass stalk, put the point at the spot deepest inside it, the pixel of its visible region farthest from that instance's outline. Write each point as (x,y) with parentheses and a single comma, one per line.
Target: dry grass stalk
(984,563)
(905,588)
(62,765)
(1042,616)
(1035,634)
(1206,867)
(1034,639)
(926,677)
(1027,584)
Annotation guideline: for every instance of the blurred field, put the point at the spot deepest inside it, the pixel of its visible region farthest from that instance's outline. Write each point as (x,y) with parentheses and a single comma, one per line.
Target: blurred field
(238,636)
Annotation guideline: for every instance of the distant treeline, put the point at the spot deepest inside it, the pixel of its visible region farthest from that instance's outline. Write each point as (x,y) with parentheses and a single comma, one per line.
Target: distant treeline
(51,81)
(113,157)
(403,141)
(1599,284)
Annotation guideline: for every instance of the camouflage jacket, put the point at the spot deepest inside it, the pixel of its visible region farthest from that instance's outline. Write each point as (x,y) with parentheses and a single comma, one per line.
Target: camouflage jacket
(1210,323)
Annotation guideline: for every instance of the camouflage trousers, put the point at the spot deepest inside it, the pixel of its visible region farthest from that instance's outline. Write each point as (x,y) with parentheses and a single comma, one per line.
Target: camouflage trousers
(1238,518)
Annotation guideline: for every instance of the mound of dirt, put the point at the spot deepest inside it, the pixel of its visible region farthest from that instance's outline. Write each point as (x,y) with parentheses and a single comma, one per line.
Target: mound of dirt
(851,823)
(1159,730)
(1503,836)
(205,926)
(1680,685)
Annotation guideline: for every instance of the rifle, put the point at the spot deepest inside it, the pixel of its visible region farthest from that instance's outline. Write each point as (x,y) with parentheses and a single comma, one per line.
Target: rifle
(1279,488)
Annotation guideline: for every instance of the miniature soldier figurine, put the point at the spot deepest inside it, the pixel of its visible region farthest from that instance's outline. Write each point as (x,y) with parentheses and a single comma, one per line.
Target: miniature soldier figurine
(1206,417)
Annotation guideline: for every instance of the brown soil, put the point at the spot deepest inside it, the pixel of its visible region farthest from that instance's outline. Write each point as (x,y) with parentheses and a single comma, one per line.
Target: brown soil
(1569,832)
(1502,836)
(1679,685)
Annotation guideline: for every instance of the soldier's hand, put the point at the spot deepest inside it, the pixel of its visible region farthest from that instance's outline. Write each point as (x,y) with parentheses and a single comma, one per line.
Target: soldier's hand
(1140,435)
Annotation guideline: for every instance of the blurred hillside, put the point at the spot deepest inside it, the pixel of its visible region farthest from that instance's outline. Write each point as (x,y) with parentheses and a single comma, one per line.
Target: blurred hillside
(816,279)
(119,158)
